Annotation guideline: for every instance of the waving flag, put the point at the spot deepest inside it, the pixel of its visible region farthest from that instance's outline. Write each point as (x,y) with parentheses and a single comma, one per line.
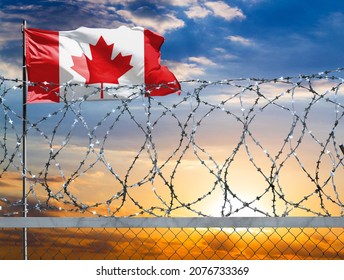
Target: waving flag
(99,57)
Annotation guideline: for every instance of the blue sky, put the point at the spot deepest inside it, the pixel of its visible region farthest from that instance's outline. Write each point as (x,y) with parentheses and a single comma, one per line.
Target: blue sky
(204,39)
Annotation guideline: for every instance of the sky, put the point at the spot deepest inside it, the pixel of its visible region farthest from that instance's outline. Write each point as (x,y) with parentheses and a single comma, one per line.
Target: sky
(204,39)
(207,40)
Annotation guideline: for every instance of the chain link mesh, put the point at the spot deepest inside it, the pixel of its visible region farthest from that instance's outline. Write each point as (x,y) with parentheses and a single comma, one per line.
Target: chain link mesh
(175,243)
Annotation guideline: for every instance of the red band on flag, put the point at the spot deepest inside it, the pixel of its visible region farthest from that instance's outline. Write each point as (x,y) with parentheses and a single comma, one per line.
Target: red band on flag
(156,74)
(42,63)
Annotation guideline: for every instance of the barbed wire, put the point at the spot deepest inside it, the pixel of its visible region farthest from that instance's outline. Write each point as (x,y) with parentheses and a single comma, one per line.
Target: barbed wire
(248,146)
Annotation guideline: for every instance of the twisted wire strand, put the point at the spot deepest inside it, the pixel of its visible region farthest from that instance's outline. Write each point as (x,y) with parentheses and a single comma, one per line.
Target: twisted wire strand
(242,100)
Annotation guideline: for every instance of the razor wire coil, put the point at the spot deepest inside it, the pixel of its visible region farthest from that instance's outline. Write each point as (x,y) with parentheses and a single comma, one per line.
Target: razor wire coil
(241,101)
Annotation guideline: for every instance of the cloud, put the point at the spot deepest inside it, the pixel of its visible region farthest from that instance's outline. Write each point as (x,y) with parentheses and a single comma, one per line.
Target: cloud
(240,40)
(104,2)
(202,60)
(128,3)
(9,31)
(220,50)
(197,12)
(224,55)
(9,70)
(177,3)
(218,9)
(185,71)
(221,9)
(253,2)
(148,18)
(63,15)
(332,22)
(336,20)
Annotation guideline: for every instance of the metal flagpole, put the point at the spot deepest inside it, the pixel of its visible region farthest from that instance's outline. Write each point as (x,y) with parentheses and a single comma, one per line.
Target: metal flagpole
(24,198)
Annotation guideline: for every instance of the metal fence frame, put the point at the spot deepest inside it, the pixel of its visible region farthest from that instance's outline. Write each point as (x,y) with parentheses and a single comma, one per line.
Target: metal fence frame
(161,222)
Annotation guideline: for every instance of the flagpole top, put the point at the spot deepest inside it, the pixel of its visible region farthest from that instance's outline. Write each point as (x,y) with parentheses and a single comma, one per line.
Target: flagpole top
(23,26)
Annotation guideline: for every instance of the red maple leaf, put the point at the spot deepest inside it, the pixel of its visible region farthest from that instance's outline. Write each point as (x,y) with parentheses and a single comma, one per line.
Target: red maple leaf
(101,68)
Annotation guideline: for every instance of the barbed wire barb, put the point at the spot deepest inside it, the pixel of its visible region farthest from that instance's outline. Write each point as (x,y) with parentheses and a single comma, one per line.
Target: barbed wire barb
(233,147)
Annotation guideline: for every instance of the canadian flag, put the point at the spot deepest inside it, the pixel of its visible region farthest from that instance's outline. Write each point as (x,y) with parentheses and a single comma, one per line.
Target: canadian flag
(103,58)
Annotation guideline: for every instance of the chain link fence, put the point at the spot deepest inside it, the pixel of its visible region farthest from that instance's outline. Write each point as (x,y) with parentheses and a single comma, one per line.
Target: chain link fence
(175,239)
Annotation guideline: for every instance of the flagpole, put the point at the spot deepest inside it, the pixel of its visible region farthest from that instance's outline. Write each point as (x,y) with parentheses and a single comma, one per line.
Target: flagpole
(24,198)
